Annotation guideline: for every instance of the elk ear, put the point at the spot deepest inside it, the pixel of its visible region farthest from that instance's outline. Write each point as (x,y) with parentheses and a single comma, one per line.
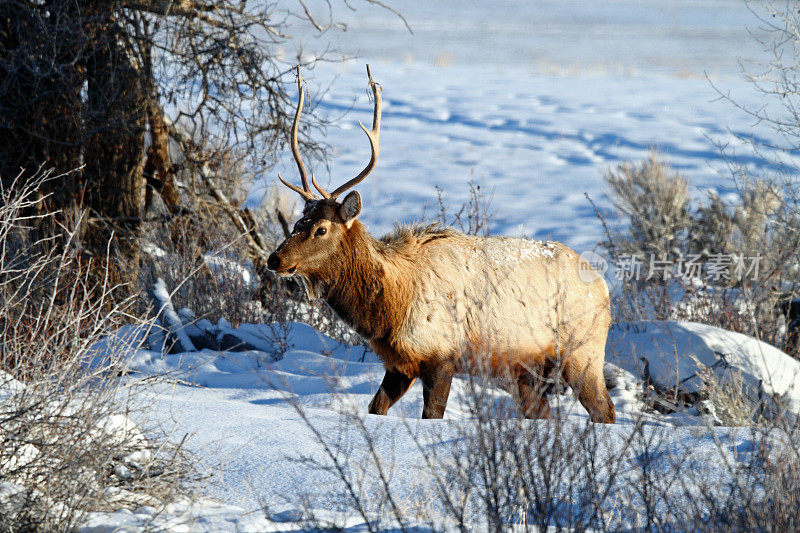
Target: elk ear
(350,208)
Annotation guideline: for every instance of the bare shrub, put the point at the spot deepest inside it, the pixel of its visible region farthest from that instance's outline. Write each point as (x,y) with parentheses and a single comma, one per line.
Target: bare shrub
(656,201)
(494,470)
(217,268)
(763,220)
(205,262)
(67,446)
(730,404)
(723,264)
(473,217)
(758,488)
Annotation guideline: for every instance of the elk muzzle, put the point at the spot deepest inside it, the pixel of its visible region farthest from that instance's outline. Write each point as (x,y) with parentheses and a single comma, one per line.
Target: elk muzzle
(274,263)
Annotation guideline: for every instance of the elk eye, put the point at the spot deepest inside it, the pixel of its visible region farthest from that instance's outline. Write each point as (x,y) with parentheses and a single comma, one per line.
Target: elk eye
(320,231)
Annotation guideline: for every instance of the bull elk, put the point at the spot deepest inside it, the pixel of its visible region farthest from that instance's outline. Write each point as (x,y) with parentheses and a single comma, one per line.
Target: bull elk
(432,301)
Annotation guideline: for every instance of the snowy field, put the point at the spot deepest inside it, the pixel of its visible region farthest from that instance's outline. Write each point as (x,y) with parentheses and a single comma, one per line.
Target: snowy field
(533,100)
(241,411)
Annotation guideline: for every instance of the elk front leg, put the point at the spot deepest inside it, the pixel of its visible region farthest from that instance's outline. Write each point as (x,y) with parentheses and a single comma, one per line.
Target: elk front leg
(435,390)
(392,388)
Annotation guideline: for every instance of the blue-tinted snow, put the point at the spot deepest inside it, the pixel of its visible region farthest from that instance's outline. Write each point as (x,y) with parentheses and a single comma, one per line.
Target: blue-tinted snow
(534,100)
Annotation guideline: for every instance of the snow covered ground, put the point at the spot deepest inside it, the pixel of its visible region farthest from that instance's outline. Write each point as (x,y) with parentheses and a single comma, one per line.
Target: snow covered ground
(253,418)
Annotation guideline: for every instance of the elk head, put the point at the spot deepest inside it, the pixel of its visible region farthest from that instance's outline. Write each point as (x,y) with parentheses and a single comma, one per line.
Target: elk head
(317,237)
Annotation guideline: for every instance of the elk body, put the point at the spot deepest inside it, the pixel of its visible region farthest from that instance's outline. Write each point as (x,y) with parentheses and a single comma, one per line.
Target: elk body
(433,302)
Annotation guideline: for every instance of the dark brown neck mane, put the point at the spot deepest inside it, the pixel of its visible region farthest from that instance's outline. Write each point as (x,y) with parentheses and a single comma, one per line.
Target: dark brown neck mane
(358,288)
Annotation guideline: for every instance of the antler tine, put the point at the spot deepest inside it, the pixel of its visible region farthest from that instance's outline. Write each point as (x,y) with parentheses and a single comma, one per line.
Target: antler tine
(323,192)
(374,137)
(307,194)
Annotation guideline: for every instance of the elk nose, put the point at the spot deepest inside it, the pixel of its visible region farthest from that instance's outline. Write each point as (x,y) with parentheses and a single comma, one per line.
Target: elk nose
(273,262)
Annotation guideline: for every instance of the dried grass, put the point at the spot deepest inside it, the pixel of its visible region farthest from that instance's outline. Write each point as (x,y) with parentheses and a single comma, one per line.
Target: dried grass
(67,444)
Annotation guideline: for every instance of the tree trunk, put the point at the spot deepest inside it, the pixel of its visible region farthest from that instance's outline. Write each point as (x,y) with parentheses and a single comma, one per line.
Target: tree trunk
(40,95)
(158,165)
(115,120)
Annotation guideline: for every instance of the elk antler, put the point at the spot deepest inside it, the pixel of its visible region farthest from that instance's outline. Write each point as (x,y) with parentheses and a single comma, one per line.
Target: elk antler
(305,192)
(374,137)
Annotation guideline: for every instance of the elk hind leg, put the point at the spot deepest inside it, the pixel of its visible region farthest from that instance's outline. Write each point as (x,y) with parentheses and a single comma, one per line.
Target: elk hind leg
(588,382)
(532,396)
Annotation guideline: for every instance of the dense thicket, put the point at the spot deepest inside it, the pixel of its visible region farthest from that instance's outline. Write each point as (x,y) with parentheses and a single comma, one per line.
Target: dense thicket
(134,92)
